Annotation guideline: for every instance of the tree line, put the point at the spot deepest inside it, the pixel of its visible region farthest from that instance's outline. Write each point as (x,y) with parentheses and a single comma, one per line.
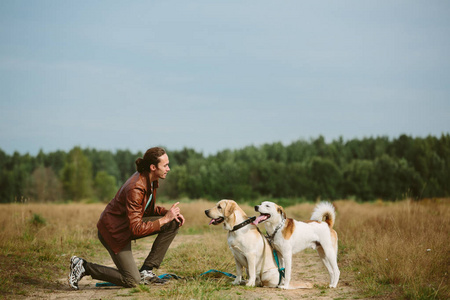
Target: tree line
(362,169)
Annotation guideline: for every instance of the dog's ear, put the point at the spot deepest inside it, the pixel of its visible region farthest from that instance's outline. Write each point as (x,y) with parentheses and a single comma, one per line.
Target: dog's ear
(230,208)
(229,213)
(281,211)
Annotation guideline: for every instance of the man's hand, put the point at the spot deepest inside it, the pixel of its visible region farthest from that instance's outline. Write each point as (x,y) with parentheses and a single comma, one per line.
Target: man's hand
(180,219)
(173,214)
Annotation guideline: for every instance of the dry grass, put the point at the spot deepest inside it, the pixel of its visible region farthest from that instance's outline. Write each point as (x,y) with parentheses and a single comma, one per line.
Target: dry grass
(394,250)
(400,249)
(37,239)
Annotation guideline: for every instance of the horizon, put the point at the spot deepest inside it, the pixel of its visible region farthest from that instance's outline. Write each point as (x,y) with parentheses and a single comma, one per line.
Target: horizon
(390,139)
(220,75)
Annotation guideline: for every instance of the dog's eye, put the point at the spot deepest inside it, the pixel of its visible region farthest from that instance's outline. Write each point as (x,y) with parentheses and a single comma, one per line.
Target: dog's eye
(267,205)
(218,207)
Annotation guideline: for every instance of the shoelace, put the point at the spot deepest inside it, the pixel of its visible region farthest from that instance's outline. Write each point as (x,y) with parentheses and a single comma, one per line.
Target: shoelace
(77,271)
(147,274)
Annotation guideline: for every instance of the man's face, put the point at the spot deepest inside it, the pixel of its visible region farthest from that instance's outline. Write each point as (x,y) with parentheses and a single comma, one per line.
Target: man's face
(163,167)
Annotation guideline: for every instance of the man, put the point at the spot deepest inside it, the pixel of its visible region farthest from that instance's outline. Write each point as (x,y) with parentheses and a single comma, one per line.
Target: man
(132,214)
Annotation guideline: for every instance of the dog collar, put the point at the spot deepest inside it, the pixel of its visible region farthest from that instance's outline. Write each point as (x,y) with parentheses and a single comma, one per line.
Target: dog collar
(245,223)
(271,237)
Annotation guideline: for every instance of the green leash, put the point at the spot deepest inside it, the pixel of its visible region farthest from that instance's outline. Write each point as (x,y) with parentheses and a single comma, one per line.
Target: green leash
(280,270)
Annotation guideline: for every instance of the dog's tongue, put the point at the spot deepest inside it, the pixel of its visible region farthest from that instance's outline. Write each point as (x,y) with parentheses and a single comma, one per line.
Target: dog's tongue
(259,219)
(212,221)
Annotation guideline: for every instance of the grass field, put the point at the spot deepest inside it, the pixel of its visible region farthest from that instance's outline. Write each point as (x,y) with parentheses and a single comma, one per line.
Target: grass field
(390,250)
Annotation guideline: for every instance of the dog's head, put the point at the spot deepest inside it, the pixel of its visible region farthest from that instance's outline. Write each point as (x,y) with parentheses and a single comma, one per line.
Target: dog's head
(269,212)
(224,211)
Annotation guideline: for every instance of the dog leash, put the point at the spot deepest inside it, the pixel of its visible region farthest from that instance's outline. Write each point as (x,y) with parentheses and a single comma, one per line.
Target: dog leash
(264,255)
(270,240)
(163,276)
(216,271)
(245,223)
(280,270)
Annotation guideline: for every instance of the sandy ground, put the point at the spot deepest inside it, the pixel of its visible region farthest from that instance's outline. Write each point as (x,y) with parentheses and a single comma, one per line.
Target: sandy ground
(308,269)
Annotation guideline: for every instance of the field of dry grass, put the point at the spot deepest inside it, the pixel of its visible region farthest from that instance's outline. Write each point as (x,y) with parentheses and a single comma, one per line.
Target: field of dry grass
(388,250)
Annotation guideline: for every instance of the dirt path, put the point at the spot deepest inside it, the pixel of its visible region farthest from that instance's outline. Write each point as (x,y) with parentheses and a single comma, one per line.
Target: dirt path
(307,269)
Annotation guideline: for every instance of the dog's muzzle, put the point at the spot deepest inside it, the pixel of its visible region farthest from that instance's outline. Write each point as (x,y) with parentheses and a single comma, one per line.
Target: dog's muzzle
(213,221)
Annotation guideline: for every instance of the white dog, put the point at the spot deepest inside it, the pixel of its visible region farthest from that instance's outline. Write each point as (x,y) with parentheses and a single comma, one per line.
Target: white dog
(249,247)
(288,236)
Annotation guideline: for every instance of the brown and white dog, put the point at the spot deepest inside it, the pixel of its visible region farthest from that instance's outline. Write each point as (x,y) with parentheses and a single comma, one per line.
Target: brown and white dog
(288,236)
(249,247)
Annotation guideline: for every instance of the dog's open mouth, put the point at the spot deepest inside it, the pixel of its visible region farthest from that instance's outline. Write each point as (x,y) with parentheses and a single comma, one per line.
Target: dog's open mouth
(261,218)
(216,221)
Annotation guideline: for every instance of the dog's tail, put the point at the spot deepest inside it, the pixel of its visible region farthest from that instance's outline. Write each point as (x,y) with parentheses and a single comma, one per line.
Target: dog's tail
(324,211)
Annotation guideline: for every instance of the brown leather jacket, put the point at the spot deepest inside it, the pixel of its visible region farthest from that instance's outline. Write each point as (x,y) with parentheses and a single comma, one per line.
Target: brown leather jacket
(121,221)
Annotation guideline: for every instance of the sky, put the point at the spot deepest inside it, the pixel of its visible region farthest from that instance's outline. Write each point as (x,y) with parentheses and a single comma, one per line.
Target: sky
(216,75)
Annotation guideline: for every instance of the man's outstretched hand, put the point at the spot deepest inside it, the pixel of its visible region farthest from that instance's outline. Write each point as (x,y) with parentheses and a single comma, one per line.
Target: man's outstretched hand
(174,213)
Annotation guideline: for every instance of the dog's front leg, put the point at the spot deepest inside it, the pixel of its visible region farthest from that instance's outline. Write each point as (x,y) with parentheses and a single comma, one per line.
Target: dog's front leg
(287,261)
(237,280)
(251,260)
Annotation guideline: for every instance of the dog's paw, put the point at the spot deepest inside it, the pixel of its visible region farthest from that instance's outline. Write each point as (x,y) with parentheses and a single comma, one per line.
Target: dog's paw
(239,282)
(251,284)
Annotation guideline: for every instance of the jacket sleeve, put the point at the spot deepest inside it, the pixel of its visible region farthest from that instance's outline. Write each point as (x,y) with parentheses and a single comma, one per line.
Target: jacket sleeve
(160,211)
(135,211)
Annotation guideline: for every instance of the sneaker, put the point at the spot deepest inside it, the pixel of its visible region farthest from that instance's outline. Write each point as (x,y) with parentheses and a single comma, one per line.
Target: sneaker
(77,271)
(148,277)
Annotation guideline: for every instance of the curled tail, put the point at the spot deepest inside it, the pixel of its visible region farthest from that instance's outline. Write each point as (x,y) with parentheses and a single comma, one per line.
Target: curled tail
(324,211)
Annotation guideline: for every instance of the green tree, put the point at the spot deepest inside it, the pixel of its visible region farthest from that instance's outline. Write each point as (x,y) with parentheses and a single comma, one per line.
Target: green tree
(5,185)
(276,152)
(320,147)
(326,178)
(271,177)
(15,178)
(103,161)
(298,181)
(300,151)
(77,176)
(358,179)
(45,185)
(395,179)
(181,157)
(175,185)
(55,161)
(194,183)
(105,186)
(125,161)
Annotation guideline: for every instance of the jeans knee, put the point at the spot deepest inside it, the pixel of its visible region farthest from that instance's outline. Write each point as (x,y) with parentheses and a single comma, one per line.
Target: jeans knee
(130,280)
(172,226)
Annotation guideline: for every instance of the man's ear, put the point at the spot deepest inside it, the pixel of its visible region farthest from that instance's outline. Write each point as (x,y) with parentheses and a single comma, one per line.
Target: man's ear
(152,167)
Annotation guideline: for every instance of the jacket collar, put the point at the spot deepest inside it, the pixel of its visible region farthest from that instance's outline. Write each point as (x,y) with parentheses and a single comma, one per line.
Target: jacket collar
(149,184)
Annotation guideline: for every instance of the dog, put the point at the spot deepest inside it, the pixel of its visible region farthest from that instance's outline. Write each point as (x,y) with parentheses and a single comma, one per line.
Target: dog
(289,236)
(249,247)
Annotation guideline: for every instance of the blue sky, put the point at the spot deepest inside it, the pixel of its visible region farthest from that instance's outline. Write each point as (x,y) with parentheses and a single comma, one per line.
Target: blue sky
(215,75)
